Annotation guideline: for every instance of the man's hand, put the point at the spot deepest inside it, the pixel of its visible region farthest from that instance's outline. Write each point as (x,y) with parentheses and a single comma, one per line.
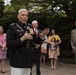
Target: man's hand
(26,36)
(37,46)
(44,33)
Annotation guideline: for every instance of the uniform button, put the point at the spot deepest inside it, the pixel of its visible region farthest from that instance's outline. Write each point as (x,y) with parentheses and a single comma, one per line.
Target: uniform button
(20,34)
(16,52)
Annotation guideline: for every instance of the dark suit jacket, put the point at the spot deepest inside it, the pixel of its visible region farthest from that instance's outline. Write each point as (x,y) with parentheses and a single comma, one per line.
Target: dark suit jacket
(37,42)
(20,51)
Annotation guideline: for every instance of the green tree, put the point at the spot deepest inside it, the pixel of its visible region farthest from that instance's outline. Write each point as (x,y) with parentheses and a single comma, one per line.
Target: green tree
(54,6)
(17,4)
(1,7)
(68,6)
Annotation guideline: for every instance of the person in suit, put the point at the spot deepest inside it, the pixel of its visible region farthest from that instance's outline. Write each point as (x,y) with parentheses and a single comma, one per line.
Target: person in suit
(73,41)
(20,39)
(37,48)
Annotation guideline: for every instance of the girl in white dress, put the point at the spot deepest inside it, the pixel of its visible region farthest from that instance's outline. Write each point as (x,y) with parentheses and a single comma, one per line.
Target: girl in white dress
(53,52)
(43,51)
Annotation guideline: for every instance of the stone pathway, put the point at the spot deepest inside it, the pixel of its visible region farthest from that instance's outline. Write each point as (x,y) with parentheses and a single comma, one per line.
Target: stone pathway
(63,69)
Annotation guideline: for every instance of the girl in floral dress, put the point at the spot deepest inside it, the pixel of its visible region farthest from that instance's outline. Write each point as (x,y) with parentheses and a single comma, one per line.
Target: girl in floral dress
(53,52)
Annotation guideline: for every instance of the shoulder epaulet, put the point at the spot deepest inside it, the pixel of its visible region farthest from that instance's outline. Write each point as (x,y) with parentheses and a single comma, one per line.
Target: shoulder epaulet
(29,24)
(12,24)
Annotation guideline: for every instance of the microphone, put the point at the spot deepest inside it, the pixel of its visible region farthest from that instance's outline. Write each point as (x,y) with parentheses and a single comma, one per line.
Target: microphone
(28,29)
(28,41)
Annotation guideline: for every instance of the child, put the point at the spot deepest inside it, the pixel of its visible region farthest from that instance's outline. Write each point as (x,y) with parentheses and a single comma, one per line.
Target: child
(43,51)
(53,52)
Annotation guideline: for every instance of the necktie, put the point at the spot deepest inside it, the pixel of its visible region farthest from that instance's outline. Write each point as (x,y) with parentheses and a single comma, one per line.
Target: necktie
(36,31)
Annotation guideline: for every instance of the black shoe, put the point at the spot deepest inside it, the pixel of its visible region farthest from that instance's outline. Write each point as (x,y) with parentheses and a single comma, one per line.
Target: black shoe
(39,74)
(30,73)
(2,71)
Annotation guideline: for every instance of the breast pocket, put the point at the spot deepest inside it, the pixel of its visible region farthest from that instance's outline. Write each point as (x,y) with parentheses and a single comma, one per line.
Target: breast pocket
(19,34)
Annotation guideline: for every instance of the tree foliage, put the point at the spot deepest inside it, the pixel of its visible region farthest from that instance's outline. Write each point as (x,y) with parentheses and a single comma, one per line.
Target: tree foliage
(17,4)
(1,7)
(56,6)
(68,6)
(47,6)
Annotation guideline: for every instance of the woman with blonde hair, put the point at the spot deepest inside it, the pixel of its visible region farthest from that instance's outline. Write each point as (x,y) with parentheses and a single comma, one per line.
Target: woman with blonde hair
(58,39)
